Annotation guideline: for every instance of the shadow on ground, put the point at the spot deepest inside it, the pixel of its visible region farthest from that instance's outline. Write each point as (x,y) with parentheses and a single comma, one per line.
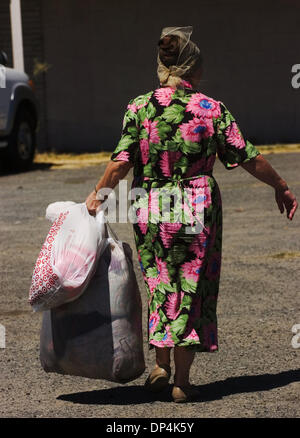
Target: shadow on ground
(127,395)
(35,166)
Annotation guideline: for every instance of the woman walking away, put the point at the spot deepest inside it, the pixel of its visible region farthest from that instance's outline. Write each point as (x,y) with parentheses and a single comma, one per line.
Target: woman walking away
(171,137)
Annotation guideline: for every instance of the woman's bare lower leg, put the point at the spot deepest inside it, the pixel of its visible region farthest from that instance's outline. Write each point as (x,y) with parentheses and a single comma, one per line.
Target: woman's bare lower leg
(183,359)
(162,356)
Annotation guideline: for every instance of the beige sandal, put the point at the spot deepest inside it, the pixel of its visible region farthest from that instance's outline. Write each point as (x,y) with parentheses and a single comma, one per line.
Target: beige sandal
(158,379)
(183,394)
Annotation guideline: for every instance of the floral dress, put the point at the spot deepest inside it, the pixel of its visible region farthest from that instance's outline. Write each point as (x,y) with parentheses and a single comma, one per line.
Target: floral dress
(172,136)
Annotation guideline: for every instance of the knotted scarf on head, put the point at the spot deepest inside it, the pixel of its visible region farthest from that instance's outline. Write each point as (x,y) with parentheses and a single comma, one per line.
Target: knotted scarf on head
(188,54)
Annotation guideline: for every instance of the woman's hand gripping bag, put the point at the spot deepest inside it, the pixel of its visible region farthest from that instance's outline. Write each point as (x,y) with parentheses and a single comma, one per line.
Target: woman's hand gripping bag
(99,335)
(68,257)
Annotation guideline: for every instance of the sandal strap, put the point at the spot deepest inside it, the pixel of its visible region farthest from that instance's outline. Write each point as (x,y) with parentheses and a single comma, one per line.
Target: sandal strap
(166,367)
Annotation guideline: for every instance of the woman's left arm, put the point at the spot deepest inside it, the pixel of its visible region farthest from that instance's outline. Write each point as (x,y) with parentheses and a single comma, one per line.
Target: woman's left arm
(114,172)
(262,170)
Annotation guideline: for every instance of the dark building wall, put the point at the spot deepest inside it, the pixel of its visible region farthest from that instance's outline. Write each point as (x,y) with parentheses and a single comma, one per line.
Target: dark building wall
(33,43)
(104,53)
(5,32)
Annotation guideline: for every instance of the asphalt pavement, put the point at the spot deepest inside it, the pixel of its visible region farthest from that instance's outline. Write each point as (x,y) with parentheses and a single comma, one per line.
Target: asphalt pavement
(255,373)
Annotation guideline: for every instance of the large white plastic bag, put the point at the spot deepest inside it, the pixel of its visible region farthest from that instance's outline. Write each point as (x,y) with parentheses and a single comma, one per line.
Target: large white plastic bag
(68,257)
(55,208)
(100,334)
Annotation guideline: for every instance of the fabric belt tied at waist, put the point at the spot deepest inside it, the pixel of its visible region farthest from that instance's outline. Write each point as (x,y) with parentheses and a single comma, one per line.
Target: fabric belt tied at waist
(205,173)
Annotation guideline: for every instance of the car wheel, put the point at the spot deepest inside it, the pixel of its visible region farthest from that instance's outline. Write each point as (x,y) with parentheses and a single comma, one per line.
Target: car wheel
(21,143)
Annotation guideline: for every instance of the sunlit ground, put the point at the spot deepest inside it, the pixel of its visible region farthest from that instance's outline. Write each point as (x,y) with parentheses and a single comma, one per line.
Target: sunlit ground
(78,160)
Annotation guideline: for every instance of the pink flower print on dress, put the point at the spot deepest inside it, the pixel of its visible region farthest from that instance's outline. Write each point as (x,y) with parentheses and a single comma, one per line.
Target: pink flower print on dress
(193,130)
(144,101)
(168,158)
(144,148)
(162,270)
(152,283)
(193,203)
(142,218)
(203,106)
(214,267)
(194,314)
(168,231)
(166,341)
(139,255)
(201,183)
(153,321)
(207,197)
(122,156)
(196,199)
(164,95)
(232,165)
(153,204)
(234,136)
(172,305)
(196,129)
(192,334)
(132,107)
(210,337)
(191,270)
(186,84)
(199,245)
(152,131)
(143,104)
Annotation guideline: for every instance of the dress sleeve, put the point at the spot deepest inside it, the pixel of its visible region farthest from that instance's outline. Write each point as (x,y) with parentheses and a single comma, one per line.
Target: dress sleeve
(129,141)
(232,149)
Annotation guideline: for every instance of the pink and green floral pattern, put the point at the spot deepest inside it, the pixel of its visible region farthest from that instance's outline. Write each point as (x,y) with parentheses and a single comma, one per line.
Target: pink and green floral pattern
(172,137)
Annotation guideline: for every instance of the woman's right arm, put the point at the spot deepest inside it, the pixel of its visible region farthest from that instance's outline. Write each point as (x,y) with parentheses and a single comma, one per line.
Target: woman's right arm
(262,170)
(114,172)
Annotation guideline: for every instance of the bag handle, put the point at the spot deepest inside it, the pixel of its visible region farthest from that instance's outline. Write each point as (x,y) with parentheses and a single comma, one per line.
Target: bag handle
(108,229)
(111,231)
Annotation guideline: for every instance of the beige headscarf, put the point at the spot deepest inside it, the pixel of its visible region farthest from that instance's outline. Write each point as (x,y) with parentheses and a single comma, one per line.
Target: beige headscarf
(188,53)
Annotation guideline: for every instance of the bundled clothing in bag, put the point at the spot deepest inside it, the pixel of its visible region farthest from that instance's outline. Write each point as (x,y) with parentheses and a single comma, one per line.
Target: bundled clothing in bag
(68,258)
(99,335)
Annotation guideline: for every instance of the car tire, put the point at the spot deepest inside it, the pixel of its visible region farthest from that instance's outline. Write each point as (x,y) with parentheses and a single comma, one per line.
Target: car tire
(19,153)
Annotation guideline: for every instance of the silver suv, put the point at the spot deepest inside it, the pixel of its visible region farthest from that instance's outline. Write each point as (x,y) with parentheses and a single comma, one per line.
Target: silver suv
(18,118)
